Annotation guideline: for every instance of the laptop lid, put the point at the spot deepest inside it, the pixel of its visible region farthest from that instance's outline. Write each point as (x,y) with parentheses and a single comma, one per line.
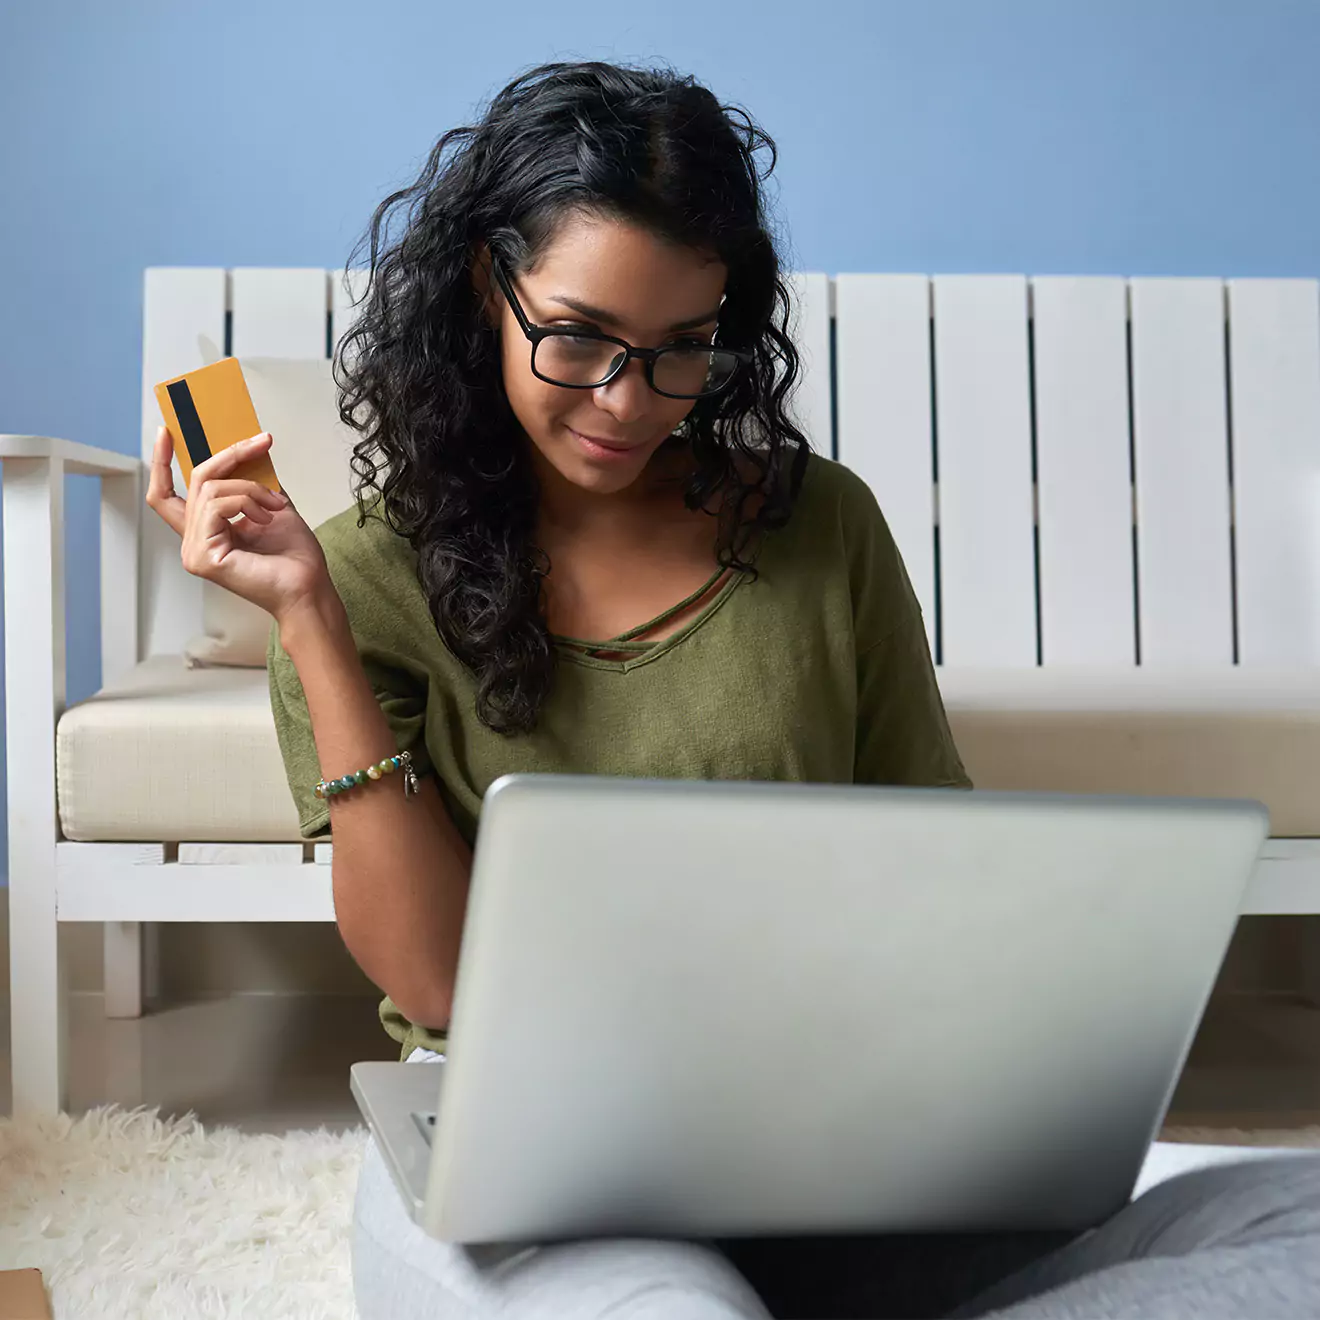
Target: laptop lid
(725,1008)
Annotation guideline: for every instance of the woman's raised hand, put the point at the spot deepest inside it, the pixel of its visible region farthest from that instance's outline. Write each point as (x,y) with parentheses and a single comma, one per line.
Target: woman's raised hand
(268,555)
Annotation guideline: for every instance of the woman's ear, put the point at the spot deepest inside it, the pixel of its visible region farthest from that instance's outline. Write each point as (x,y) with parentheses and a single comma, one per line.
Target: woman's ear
(484,286)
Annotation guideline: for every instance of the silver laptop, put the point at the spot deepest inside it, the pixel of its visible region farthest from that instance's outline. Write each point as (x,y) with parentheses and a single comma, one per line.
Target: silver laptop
(731,1008)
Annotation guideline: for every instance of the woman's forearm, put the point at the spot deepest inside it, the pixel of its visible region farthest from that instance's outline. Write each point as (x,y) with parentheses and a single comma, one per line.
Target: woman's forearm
(401,868)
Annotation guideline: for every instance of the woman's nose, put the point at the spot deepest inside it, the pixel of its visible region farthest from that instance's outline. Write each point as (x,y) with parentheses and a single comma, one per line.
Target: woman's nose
(627,397)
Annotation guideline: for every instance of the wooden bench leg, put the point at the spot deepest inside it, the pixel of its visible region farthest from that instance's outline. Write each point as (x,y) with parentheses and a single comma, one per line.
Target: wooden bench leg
(39,1012)
(124,969)
(34,697)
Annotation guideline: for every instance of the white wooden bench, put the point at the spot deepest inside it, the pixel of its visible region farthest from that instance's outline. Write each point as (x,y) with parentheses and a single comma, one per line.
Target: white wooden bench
(1089,640)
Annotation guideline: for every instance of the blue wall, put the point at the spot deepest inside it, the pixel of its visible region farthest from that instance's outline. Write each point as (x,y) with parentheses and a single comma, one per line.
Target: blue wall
(1127,136)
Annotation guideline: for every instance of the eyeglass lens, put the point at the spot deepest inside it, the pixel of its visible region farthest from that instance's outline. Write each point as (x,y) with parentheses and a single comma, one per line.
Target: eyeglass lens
(579,360)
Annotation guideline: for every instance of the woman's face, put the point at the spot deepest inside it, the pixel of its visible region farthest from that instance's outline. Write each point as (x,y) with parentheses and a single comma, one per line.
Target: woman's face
(617,278)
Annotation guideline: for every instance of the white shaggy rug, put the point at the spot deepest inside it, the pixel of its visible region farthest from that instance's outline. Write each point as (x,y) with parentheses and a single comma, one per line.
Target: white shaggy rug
(129,1215)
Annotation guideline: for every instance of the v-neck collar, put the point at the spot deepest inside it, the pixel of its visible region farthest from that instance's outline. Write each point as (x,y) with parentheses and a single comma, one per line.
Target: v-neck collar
(580,651)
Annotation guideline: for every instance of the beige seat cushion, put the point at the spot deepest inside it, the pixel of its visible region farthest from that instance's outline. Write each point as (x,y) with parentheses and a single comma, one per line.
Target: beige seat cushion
(169,753)
(1227,733)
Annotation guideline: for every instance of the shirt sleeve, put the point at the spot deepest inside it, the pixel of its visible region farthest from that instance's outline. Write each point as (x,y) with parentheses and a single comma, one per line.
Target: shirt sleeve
(377,585)
(903,734)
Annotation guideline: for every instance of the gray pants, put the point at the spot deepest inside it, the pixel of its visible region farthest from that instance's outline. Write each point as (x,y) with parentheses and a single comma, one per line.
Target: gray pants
(1239,1241)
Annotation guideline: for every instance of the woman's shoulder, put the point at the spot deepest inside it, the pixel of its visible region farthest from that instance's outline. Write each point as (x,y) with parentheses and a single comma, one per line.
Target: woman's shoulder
(834,494)
(839,525)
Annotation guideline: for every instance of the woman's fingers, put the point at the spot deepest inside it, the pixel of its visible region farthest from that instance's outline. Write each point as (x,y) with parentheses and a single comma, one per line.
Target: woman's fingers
(207,519)
(233,486)
(229,458)
(230,506)
(211,536)
(161,495)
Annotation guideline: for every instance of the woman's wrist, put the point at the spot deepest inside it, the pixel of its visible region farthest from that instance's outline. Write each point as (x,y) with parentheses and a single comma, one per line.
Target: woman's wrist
(313,622)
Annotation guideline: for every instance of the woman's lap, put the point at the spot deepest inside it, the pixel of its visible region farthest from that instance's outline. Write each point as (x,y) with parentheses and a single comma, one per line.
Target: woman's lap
(1238,1240)
(400,1273)
(1234,1241)
(917,1278)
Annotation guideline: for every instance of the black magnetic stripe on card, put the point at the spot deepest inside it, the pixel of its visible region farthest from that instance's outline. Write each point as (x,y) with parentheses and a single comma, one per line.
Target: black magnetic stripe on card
(194,437)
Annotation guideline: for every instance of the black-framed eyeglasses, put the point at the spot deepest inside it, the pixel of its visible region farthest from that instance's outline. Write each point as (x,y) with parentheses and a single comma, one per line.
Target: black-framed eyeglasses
(577,358)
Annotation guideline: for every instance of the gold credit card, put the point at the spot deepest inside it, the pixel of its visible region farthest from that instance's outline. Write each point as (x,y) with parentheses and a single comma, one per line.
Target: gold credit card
(208,410)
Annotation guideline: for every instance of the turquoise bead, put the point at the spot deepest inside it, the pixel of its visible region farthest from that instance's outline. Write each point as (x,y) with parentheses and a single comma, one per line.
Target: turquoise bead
(347,781)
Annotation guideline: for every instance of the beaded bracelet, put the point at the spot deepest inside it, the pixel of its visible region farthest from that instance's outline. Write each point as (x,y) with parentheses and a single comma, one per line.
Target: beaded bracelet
(329,787)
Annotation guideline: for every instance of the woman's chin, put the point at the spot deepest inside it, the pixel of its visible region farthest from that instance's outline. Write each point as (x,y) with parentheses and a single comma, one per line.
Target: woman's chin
(602,473)
(613,482)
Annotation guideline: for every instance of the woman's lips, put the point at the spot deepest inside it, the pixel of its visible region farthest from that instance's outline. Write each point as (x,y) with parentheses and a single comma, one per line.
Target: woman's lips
(599,447)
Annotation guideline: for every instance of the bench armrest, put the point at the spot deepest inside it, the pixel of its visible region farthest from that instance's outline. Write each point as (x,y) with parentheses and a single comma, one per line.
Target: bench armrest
(34,468)
(78,460)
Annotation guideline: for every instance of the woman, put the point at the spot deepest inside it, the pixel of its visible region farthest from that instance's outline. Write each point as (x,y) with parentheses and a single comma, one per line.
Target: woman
(588,537)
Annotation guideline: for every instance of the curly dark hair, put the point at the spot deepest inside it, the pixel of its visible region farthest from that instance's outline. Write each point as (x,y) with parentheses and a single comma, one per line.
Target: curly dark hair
(441,455)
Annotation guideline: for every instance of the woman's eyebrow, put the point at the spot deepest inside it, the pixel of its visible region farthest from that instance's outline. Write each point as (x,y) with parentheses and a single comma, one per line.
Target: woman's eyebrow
(603,317)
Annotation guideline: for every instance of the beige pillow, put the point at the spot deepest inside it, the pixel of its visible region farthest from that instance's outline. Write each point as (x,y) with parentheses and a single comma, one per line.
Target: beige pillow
(295,400)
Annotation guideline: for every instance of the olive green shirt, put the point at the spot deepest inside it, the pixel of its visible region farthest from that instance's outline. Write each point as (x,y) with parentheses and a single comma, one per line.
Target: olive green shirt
(814,670)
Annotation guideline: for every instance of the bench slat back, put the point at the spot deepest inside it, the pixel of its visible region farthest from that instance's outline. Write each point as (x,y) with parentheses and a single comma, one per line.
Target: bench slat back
(813,406)
(983,464)
(1078,470)
(181,305)
(1173,427)
(1275,385)
(1180,440)
(1084,471)
(883,402)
